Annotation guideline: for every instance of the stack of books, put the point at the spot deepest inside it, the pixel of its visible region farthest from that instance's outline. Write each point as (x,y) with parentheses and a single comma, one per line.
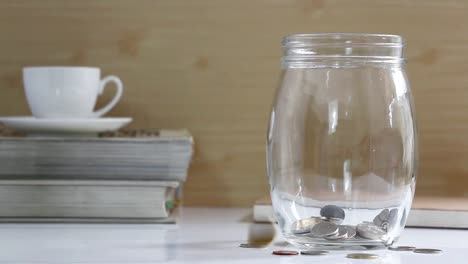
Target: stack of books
(134,176)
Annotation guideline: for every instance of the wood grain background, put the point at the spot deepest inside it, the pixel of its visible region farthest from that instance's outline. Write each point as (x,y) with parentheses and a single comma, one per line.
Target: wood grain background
(212,66)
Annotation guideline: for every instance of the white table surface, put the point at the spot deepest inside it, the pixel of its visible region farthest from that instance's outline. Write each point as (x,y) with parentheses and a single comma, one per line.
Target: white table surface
(202,236)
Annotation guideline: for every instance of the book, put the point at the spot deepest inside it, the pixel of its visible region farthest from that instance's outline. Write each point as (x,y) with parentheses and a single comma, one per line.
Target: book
(87,200)
(162,155)
(440,212)
(444,212)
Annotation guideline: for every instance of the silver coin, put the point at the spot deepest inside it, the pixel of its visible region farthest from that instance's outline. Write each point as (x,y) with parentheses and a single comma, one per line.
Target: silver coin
(427,250)
(402,248)
(371,231)
(334,220)
(324,229)
(303,226)
(384,214)
(385,226)
(377,221)
(350,230)
(373,247)
(332,211)
(342,234)
(314,252)
(362,256)
(381,218)
(392,218)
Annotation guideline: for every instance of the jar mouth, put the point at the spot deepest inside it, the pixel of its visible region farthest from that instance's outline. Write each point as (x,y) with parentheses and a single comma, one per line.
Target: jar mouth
(351,48)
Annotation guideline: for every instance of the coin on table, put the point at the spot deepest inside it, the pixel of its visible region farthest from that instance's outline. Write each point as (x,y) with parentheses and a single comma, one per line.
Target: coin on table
(362,256)
(324,229)
(402,248)
(342,234)
(371,231)
(332,211)
(314,252)
(252,245)
(285,252)
(303,226)
(427,250)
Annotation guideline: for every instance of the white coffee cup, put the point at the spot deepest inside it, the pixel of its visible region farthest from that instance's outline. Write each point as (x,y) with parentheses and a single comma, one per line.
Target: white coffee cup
(67,92)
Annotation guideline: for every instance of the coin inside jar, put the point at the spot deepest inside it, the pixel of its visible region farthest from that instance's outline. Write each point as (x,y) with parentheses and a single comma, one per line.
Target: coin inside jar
(351,231)
(303,226)
(342,234)
(333,220)
(324,229)
(370,231)
(332,211)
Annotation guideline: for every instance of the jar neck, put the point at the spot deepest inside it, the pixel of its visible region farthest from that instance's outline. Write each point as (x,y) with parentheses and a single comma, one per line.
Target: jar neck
(342,50)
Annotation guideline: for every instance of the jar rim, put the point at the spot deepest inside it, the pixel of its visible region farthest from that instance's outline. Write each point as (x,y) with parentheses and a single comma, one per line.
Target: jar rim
(343,39)
(342,50)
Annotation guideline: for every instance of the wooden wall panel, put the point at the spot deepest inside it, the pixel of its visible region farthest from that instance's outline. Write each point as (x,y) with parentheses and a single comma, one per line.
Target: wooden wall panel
(212,66)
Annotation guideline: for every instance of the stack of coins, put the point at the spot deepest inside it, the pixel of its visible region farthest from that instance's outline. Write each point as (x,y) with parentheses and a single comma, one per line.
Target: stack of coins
(329,226)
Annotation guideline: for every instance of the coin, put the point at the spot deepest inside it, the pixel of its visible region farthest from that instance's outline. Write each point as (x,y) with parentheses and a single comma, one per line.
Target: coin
(370,231)
(402,248)
(342,234)
(252,245)
(285,252)
(392,218)
(314,252)
(303,226)
(384,214)
(385,226)
(377,221)
(350,230)
(427,251)
(332,211)
(381,220)
(324,229)
(373,247)
(362,256)
(333,220)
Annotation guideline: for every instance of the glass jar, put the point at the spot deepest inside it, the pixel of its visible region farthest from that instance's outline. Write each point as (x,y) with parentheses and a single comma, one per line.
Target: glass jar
(342,143)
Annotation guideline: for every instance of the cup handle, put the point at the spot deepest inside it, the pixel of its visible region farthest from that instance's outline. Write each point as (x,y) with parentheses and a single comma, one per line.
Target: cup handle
(114,100)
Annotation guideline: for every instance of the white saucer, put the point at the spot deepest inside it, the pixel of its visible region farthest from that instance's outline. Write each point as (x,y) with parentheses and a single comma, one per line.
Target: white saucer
(64,126)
